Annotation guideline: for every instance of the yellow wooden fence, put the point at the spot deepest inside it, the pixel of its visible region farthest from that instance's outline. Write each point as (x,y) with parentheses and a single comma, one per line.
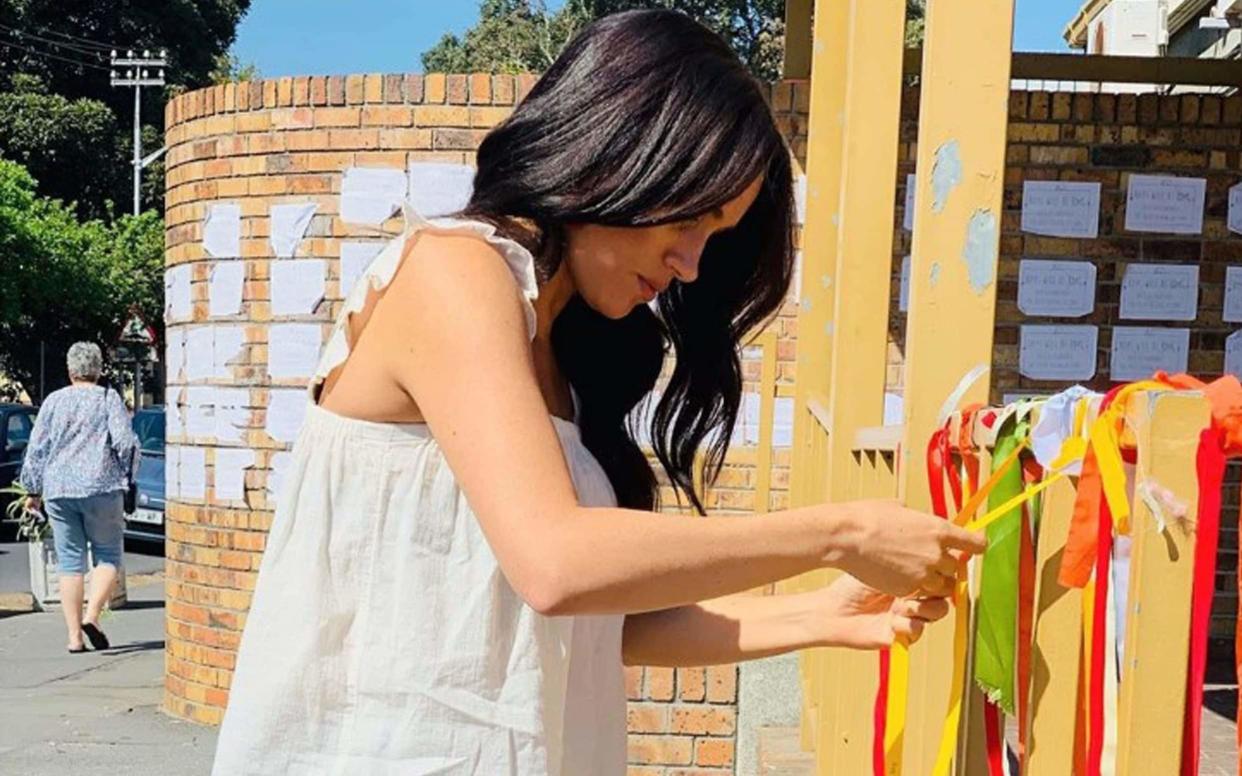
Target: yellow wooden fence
(843,452)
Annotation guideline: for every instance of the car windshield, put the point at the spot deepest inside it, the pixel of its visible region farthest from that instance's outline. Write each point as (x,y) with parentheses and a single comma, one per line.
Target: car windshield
(149,426)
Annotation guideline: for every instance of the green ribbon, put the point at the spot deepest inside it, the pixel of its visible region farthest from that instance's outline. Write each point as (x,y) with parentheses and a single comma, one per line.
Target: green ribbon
(996,615)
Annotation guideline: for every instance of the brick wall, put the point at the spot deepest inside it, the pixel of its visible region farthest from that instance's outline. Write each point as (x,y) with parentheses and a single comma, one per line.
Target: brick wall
(1105,138)
(290,140)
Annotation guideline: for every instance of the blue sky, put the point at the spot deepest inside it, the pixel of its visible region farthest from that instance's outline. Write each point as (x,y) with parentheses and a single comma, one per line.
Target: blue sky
(309,37)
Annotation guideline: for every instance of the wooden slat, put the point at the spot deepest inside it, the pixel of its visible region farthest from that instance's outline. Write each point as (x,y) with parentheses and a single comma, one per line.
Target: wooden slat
(1057,644)
(961,144)
(798,38)
(886,438)
(767,411)
(1175,71)
(1153,671)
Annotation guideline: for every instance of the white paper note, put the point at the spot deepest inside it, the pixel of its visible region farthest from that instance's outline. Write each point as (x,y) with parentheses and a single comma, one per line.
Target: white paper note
(285,411)
(226,349)
(369,195)
(199,353)
(231,465)
(174,354)
(1160,292)
(200,411)
(1063,289)
(178,304)
(1162,203)
(1058,352)
(1061,208)
(232,413)
(288,224)
(907,219)
(440,188)
(903,295)
(276,476)
(800,198)
(782,422)
(174,421)
(1139,351)
(355,258)
(1235,209)
(222,231)
(193,473)
(297,286)
(293,349)
(1233,294)
(224,289)
(1233,354)
(172,471)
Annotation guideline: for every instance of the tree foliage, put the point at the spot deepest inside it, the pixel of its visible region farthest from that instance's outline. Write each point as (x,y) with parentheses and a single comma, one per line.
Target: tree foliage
(66,280)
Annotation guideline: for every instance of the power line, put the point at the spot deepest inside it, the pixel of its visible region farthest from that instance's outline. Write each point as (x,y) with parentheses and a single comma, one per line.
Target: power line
(53,56)
(85,41)
(56,44)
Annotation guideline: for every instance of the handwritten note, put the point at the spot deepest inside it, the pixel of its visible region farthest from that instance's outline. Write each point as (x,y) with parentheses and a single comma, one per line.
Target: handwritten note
(369,195)
(1058,352)
(232,413)
(200,411)
(200,360)
(174,354)
(1061,208)
(297,286)
(907,219)
(230,473)
(172,472)
(224,288)
(1233,294)
(293,349)
(1139,351)
(286,410)
(1235,209)
(222,231)
(174,423)
(355,258)
(1233,354)
(1161,203)
(440,188)
(1063,289)
(193,473)
(178,304)
(226,349)
(288,225)
(1160,292)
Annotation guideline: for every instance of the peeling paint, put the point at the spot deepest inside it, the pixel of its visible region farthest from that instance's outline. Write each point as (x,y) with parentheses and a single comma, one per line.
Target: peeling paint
(934,275)
(836,219)
(828,328)
(980,250)
(806,304)
(946,173)
(825,281)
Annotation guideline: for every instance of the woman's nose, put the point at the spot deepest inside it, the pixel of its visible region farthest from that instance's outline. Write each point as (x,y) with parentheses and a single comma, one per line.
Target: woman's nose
(684,263)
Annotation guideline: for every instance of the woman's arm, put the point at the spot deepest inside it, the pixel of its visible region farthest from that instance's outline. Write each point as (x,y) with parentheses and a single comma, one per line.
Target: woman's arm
(452,332)
(38,449)
(120,429)
(747,627)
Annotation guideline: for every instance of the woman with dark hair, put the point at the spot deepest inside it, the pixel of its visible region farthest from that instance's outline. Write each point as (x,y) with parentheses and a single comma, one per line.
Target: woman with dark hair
(464,552)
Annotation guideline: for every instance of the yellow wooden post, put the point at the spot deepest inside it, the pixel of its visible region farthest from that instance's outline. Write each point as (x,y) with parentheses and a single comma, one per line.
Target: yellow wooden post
(1154,667)
(1057,644)
(767,411)
(819,242)
(798,38)
(962,134)
(858,331)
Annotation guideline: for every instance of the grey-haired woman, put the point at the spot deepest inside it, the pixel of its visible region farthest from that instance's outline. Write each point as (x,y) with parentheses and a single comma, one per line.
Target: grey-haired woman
(77,467)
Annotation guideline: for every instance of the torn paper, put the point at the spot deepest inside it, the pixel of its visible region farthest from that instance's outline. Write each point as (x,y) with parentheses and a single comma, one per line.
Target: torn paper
(440,188)
(230,473)
(355,258)
(288,225)
(1061,289)
(232,413)
(293,349)
(178,305)
(224,288)
(222,231)
(370,195)
(285,411)
(1061,208)
(297,286)
(193,473)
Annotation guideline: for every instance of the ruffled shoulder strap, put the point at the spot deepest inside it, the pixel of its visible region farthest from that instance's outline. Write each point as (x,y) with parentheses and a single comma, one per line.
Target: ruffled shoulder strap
(384,267)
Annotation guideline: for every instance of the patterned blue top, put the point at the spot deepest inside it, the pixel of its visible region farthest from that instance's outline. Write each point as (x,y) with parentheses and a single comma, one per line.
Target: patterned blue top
(80,445)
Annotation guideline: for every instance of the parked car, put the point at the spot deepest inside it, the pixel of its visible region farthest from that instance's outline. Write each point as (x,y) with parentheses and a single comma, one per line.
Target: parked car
(16,423)
(147,521)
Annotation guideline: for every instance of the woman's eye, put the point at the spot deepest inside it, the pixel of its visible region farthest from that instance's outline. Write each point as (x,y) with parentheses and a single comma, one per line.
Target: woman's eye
(690,223)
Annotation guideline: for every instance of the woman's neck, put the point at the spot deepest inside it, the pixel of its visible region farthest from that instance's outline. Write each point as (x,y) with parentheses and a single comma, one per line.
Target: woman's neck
(553,296)
(80,383)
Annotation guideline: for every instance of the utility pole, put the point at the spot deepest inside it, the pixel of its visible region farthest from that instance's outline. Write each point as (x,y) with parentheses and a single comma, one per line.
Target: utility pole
(139,72)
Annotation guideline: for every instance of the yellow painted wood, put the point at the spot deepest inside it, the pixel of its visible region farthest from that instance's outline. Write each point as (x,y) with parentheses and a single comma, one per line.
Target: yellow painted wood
(1057,646)
(798,38)
(1153,674)
(819,239)
(962,133)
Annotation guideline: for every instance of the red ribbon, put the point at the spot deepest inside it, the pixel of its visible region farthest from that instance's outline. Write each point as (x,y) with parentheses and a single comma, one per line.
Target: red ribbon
(879,717)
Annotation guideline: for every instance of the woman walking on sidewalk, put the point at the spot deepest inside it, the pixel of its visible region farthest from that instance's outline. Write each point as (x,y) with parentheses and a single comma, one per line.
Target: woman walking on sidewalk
(465,550)
(79,462)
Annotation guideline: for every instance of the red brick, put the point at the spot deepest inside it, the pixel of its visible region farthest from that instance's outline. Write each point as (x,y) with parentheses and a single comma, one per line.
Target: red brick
(660,750)
(713,752)
(659,684)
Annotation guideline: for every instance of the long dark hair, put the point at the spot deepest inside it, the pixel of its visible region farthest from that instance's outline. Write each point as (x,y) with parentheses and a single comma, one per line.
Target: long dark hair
(649,118)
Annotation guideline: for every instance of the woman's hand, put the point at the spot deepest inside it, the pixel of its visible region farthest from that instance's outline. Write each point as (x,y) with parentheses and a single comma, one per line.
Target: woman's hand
(856,616)
(901,552)
(33,504)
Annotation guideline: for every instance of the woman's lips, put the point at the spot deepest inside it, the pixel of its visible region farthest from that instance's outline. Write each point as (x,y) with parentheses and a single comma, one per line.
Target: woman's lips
(647,289)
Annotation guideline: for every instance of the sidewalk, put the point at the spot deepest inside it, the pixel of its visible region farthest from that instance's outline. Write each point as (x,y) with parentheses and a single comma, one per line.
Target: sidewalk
(96,713)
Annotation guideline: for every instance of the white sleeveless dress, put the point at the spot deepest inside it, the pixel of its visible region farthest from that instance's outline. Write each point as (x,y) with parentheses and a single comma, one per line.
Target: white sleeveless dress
(383,637)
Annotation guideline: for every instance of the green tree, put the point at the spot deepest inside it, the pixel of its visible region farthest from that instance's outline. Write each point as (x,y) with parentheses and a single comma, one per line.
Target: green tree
(916,10)
(67,280)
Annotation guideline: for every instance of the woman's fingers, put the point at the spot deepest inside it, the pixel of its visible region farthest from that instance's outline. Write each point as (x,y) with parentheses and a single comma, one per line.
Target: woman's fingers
(970,542)
(926,609)
(911,629)
(939,585)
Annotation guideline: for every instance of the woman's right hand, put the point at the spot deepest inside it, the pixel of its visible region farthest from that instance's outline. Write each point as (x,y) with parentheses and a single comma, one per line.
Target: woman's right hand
(903,552)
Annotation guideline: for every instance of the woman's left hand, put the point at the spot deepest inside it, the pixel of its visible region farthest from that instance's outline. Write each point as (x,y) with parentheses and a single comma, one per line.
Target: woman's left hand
(860,617)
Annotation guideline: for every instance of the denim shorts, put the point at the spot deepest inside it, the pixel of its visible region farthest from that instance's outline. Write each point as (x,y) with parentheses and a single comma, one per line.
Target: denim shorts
(99,520)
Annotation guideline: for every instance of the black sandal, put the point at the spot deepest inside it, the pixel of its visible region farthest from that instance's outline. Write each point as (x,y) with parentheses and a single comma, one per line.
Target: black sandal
(97,638)
(77,651)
